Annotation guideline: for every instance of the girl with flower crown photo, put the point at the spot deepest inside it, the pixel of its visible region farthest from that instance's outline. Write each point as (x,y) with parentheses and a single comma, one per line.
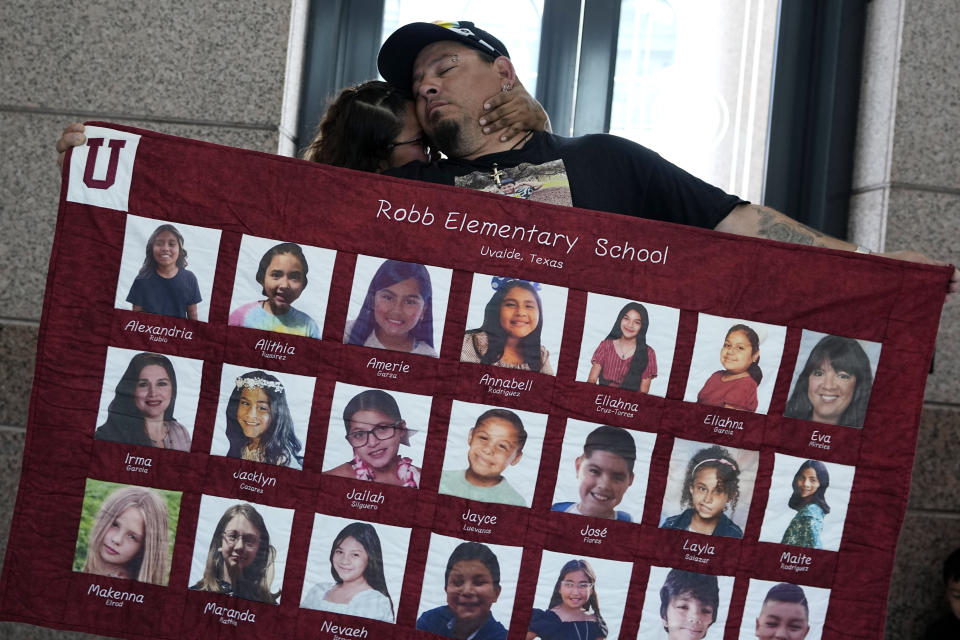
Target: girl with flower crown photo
(263,416)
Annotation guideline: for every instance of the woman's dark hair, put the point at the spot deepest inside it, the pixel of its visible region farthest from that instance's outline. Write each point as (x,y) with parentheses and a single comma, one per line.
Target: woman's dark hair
(367,536)
(480,552)
(754,369)
(254,583)
(279,445)
(390,273)
(497,336)
(728,474)
(819,498)
(371,399)
(593,602)
(123,417)
(638,364)
(359,127)
(703,587)
(842,354)
(283,248)
(150,263)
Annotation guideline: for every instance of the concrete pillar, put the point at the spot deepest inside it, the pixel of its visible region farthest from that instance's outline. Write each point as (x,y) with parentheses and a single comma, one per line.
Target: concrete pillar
(211,71)
(907,195)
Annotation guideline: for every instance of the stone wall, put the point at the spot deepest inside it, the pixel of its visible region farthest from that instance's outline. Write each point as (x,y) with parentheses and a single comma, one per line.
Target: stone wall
(207,70)
(907,195)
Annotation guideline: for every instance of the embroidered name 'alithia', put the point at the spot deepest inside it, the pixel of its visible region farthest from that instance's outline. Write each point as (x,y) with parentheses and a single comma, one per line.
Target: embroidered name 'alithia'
(158,333)
(274,349)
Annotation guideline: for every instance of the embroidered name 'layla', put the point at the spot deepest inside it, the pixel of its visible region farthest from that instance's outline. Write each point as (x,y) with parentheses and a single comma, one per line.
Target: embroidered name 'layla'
(388,369)
(616,406)
(229,616)
(112,597)
(158,333)
(700,549)
(138,464)
(274,349)
(365,499)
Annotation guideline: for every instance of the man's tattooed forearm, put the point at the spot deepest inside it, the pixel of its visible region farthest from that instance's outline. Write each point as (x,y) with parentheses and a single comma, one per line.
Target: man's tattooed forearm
(771,226)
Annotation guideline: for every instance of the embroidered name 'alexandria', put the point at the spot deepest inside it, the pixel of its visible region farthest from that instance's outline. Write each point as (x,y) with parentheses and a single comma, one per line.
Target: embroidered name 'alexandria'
(164,332)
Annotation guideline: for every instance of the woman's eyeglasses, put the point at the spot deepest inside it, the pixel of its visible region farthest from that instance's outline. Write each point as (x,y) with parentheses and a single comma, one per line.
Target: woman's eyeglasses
(394,145)
(380,432)
(250,540)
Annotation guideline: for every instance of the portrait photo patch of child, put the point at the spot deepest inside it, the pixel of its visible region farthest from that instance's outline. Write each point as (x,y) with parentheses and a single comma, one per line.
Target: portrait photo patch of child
(398,306)
(262,416)
(376,435)
(833,379)
(355,568)
(127,532)
(148,399)
(272,289)
(514,323)
(709,489)
(468,589)
(603,471)
(807,504)
(579,597)
(735,363)
(240,549)
(685,605)
(167,269)
(783,611)
(627,344)
(492,453)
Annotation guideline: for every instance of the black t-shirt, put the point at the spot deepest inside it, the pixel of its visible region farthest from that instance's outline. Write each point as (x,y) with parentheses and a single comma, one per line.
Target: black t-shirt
(598,171)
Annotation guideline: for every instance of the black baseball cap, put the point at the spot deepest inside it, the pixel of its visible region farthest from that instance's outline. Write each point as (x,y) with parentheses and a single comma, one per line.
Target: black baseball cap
(401,49)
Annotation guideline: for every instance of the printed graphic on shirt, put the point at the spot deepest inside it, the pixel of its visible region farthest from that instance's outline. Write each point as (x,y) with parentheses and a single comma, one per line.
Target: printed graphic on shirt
(546,182)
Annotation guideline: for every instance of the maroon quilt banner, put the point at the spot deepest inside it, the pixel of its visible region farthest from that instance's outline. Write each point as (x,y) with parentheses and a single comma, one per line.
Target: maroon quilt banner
(279,399)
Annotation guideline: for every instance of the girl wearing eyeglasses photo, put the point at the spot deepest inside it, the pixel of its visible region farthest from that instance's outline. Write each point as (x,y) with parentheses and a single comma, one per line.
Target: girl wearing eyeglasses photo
(574,610)
(240,561)
(375,429)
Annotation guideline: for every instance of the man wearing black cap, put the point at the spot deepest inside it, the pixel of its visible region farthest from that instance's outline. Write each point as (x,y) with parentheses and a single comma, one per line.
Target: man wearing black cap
(452,67)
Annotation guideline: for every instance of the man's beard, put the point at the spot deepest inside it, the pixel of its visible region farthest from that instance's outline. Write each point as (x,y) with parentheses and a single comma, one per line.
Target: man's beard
(446,135)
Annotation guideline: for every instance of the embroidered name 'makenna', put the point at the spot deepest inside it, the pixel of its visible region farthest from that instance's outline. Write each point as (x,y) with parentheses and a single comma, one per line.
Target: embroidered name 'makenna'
(109,593)
(155,330)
